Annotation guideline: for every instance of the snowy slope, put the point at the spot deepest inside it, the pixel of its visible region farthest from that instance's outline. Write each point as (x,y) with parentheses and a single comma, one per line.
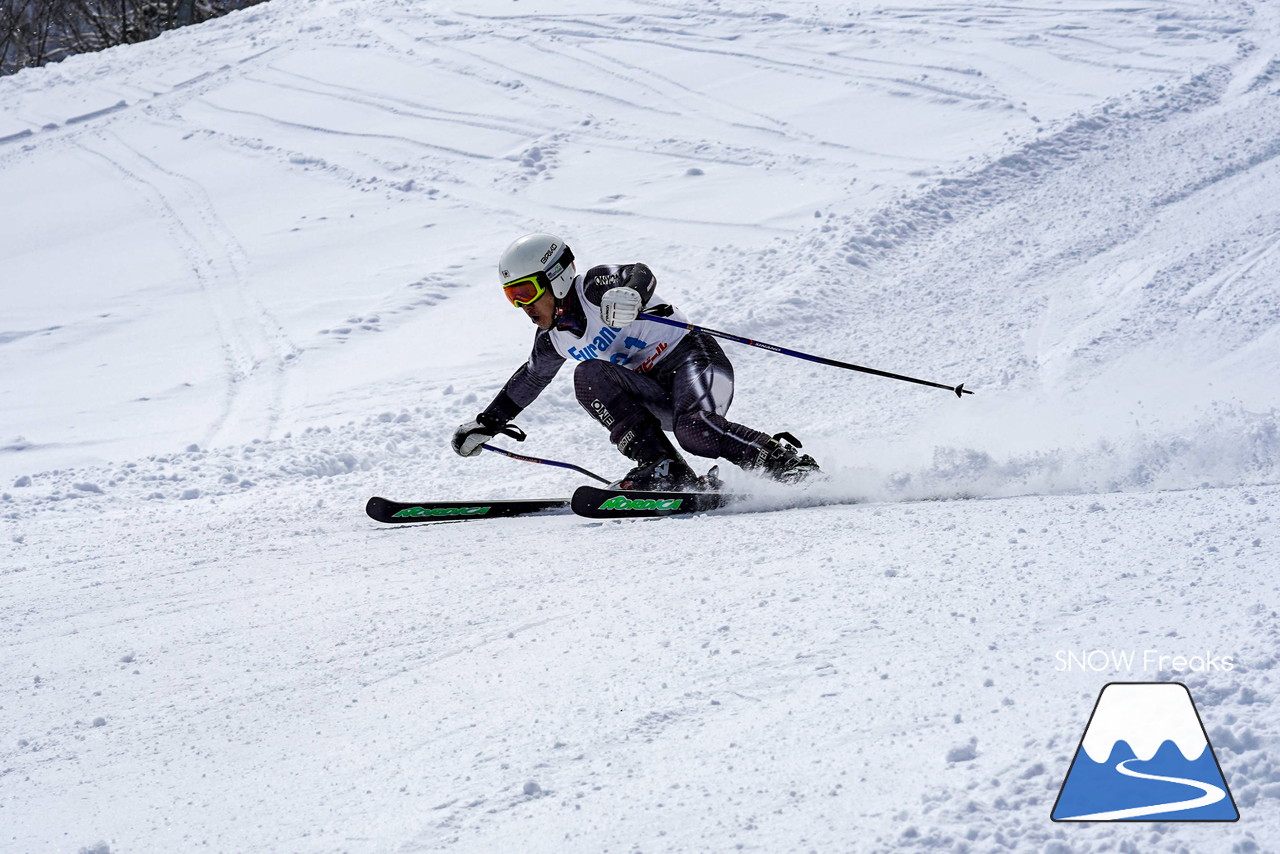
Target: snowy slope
(249,283)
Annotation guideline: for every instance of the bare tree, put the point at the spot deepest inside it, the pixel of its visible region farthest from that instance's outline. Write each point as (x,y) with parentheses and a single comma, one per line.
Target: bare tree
(35,32)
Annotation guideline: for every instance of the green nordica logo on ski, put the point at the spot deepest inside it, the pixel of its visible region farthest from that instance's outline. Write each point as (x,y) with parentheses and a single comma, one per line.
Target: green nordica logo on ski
(409,512)
(622,502)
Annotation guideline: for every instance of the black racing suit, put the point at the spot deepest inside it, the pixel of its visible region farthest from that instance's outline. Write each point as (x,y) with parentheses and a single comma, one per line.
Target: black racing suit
(686,391)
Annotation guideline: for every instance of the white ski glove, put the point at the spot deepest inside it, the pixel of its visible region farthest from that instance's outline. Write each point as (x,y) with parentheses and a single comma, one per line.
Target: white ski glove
(619,306)
(468,438)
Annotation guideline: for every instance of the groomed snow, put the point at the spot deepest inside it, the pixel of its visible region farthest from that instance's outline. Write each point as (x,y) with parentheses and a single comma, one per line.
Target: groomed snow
(249,282)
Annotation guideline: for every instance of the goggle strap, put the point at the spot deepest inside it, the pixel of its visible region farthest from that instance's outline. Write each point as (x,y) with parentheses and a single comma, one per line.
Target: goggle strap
(561,264)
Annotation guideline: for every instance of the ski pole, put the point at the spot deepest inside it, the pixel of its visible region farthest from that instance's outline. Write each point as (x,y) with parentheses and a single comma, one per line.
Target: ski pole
(822,360)
(516,456)
(519,435)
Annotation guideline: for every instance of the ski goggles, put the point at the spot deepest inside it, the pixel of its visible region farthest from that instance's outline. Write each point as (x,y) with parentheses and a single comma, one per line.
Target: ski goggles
(528,289)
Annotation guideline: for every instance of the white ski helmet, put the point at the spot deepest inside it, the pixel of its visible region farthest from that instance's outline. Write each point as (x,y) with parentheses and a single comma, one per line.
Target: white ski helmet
(539,253)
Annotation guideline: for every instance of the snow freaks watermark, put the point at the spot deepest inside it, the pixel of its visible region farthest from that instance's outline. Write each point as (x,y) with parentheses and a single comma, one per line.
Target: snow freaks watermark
(1139,660)
(1145,756)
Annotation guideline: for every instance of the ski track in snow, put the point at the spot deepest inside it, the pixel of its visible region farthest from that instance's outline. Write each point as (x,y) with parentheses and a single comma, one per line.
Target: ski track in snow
(1069,207)
(257,349)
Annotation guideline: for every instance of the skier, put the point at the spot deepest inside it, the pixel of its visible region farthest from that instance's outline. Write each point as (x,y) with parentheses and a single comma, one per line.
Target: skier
(636,377)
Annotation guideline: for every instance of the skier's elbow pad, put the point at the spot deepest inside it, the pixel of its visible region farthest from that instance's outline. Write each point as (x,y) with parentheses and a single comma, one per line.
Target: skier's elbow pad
(641,280)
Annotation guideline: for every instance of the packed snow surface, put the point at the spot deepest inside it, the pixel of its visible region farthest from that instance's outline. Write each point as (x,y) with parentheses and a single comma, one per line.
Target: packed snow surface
(249,281)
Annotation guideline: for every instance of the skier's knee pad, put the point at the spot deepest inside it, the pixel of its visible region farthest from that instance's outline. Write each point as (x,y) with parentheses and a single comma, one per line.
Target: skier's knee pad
(588,380)
(600,392)
(593,386)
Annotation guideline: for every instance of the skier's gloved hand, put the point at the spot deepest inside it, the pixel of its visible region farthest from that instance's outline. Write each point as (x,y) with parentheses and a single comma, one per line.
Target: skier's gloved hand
(468,438)
(619,306)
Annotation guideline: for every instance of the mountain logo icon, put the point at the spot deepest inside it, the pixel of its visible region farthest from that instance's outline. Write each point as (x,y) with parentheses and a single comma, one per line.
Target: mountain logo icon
(1145,756)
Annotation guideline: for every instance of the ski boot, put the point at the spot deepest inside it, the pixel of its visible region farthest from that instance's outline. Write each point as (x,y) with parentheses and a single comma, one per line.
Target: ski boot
(660,468)
(781,460)
(711,481)
(669,474)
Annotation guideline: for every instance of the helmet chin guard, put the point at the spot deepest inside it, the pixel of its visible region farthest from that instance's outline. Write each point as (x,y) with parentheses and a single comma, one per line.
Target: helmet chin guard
(539,253)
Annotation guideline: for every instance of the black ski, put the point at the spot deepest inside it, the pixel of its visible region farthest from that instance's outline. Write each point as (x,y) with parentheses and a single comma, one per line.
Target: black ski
(396,512)
(598,503)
